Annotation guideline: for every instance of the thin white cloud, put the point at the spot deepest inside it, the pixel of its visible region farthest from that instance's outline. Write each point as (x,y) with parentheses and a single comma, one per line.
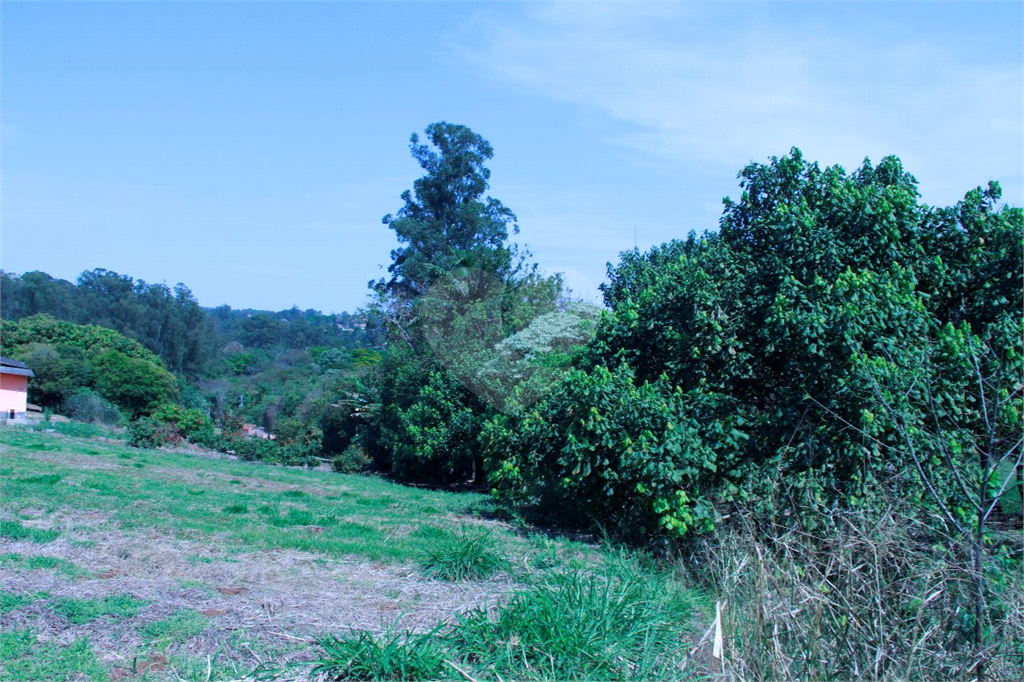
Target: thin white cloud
(686,84)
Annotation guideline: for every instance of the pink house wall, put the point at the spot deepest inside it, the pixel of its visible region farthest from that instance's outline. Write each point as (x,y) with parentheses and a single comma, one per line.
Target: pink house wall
(13,393)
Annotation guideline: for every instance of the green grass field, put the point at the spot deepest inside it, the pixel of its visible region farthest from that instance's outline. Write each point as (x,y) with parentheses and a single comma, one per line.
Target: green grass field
(125,564)
(244,505)
(159,565)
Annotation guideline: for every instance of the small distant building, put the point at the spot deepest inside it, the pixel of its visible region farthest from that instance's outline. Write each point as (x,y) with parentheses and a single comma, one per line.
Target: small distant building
(14,378)
(253,431)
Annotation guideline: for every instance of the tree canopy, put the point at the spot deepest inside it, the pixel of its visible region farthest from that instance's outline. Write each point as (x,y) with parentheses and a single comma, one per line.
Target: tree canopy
(446,220)
(457,288)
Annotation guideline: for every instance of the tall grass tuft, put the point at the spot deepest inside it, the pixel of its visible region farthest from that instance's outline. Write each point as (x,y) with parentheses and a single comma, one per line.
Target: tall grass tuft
(391,656)
(623,619)
(467,555)
(626,619)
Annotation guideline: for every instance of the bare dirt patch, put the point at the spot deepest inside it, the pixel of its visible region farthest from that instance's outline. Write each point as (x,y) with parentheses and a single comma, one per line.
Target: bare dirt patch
(252,600)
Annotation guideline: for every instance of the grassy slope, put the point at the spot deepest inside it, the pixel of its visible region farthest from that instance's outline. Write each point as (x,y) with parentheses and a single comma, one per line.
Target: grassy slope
(239,507)
(242,505)
(89,485)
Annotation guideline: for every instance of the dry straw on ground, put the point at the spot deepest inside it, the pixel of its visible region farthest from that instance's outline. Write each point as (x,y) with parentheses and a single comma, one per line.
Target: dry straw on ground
(865,596)
(254,600)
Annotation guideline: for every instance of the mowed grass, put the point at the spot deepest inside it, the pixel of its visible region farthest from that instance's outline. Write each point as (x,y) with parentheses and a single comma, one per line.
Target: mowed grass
(243,506)
(71,487)
(580,612)
(26,659)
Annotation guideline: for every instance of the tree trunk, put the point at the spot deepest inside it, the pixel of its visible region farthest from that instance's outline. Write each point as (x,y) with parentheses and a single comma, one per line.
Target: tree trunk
(978,550)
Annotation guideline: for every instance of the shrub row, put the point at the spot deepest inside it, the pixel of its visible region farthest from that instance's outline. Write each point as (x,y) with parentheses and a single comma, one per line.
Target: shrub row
(170,424)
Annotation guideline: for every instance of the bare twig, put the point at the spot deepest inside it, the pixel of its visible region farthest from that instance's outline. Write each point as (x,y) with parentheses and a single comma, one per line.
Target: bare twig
(461,671)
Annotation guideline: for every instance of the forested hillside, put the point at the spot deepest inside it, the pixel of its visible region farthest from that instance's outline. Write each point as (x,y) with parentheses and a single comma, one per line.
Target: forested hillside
(170,322)
(282,371)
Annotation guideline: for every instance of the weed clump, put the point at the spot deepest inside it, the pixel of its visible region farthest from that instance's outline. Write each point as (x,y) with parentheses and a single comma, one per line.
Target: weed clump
(25,658)
(391,656)
(12,601)
(33,563)
(79,611)
(12,530)
(464,556)
(176,628)
(624,619)
(627,620)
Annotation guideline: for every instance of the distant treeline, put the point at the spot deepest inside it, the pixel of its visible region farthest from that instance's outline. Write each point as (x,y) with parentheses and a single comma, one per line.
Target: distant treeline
(169,320)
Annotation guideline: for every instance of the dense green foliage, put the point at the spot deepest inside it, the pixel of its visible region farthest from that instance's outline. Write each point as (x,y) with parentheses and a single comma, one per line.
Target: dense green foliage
(293,329)
(837,360)
(75,363)
(281,371)
(167,321)
(170,322)
(743,365)
(457,292)
(88,337)
(135,385)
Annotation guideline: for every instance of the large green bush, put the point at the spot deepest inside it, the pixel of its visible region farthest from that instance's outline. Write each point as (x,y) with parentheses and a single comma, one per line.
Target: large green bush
(742,366)
(147,432)
(135,385)
(60,371)
(89,406)
(68,358)
(605,448)
(190,423)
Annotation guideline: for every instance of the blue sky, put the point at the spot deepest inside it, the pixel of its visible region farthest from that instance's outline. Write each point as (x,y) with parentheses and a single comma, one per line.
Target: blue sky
(250,150)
